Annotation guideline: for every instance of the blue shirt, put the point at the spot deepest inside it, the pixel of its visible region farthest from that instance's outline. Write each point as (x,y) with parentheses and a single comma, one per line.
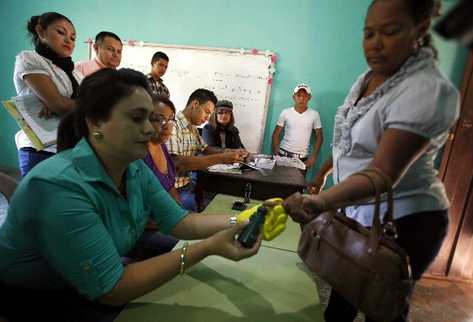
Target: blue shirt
(68,225)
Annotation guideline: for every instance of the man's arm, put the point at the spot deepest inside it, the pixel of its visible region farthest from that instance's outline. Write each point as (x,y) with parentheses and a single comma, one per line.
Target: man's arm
(276,139)
(316,149)
(321,176)
(189,163)
(212,150)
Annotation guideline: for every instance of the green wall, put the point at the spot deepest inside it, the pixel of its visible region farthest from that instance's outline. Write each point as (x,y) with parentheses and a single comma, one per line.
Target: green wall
(316,41)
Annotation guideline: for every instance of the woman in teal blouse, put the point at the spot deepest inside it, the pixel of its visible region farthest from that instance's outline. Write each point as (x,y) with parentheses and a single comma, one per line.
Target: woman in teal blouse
(76,214)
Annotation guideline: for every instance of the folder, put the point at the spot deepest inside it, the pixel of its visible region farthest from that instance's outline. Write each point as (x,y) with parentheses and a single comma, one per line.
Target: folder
(25,110)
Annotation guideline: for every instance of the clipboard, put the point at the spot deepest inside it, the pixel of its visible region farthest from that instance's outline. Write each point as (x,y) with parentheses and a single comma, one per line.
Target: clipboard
(24,109)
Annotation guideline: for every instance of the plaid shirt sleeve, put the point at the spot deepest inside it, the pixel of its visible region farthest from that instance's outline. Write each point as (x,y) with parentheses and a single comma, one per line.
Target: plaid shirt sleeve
(174,144)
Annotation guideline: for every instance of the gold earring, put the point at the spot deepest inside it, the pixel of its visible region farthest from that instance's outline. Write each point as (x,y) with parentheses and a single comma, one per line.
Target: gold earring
(97,135)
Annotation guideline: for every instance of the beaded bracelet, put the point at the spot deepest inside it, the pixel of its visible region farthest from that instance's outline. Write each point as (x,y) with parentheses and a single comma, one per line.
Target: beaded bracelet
(183,258)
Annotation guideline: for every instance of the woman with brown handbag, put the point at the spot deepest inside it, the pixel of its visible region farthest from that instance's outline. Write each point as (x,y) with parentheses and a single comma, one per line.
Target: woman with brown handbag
(395,118)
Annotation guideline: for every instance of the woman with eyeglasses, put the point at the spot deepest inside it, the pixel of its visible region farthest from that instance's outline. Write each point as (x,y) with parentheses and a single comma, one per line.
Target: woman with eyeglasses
(158,158)
(221,131)
(152,242)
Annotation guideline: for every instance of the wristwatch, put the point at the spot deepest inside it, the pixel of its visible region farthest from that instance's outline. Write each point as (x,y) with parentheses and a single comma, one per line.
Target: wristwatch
(233,220)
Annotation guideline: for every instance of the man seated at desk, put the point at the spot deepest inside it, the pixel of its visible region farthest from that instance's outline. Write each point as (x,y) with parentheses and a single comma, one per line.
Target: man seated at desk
(187,148)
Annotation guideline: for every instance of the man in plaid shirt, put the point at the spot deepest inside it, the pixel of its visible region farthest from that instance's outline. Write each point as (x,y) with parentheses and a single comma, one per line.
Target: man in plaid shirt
(159,65)
(187,148)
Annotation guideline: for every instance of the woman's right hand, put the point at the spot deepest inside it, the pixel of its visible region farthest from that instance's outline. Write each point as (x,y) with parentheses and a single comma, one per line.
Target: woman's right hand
(45,113)
(223,243)
(303,208)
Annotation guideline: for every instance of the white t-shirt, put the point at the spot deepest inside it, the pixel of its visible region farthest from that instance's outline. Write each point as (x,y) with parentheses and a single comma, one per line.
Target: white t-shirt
(30,62)
(425,103)
(298,129)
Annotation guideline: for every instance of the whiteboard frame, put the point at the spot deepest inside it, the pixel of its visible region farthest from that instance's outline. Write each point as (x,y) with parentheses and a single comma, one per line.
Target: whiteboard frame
(255,52)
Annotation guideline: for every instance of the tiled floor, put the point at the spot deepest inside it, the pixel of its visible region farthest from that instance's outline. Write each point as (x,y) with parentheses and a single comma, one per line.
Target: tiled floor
(433,301)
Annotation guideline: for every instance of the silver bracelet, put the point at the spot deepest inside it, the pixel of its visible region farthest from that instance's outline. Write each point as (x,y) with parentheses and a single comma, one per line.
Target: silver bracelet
(233,220)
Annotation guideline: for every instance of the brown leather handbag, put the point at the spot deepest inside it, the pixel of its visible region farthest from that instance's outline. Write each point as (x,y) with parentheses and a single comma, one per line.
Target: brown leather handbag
(363,265)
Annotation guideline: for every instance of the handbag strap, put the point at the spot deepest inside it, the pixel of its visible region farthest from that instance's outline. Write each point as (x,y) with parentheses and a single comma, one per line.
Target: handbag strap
(375,231)
(389,229)
(389,225)
(388,187)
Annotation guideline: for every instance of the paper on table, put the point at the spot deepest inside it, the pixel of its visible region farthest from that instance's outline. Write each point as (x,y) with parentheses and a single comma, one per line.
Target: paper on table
(290,162)
(265,163)
(225,168)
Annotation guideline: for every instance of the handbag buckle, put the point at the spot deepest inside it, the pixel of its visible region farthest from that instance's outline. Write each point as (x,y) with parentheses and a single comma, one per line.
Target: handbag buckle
(390,231)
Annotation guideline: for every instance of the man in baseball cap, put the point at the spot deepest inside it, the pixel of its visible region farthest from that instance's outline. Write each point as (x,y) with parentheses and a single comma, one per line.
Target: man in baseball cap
(298,122)
(304,87)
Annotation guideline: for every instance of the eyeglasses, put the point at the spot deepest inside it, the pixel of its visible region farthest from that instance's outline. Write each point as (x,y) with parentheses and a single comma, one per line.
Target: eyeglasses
(161,121)
(221,112)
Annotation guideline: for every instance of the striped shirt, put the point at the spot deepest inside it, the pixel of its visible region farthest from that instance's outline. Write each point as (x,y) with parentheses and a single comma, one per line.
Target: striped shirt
(185,141)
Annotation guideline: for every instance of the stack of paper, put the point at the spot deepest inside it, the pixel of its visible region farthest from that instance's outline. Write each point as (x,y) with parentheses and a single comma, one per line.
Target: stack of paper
(264,163)
(225,168)
(290,162)
(25,110)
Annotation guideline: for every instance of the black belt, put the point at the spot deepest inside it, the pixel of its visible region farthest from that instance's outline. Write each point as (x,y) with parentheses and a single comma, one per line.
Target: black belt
(285,153)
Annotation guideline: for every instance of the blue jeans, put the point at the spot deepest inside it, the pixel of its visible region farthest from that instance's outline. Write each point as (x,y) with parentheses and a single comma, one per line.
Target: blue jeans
(29,157)
(187,195)
(151,243)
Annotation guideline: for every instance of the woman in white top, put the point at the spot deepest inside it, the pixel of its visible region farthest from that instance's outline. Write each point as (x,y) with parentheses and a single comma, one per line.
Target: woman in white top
(395,118)
(47,72)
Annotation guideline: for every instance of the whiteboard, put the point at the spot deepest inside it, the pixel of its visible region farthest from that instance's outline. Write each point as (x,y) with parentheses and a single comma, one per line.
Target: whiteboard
(243,77)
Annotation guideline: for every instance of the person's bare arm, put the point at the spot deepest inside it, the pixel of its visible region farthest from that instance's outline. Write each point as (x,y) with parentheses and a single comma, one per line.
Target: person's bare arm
(46,90)
(319,139)
(198,226)
(397,150)
(213,150)
(216,150)
(320,177)
(276,139)
(142,277)
(189,163)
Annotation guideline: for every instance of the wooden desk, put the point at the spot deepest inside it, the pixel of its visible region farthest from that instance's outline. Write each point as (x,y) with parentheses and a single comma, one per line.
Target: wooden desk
(288,240)
(280,182)
(270,286)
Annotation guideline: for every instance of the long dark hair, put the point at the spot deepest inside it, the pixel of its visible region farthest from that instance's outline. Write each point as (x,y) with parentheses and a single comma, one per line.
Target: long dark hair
(96,98)
(214,122)
(164,100)
(420,10)
(44,20)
